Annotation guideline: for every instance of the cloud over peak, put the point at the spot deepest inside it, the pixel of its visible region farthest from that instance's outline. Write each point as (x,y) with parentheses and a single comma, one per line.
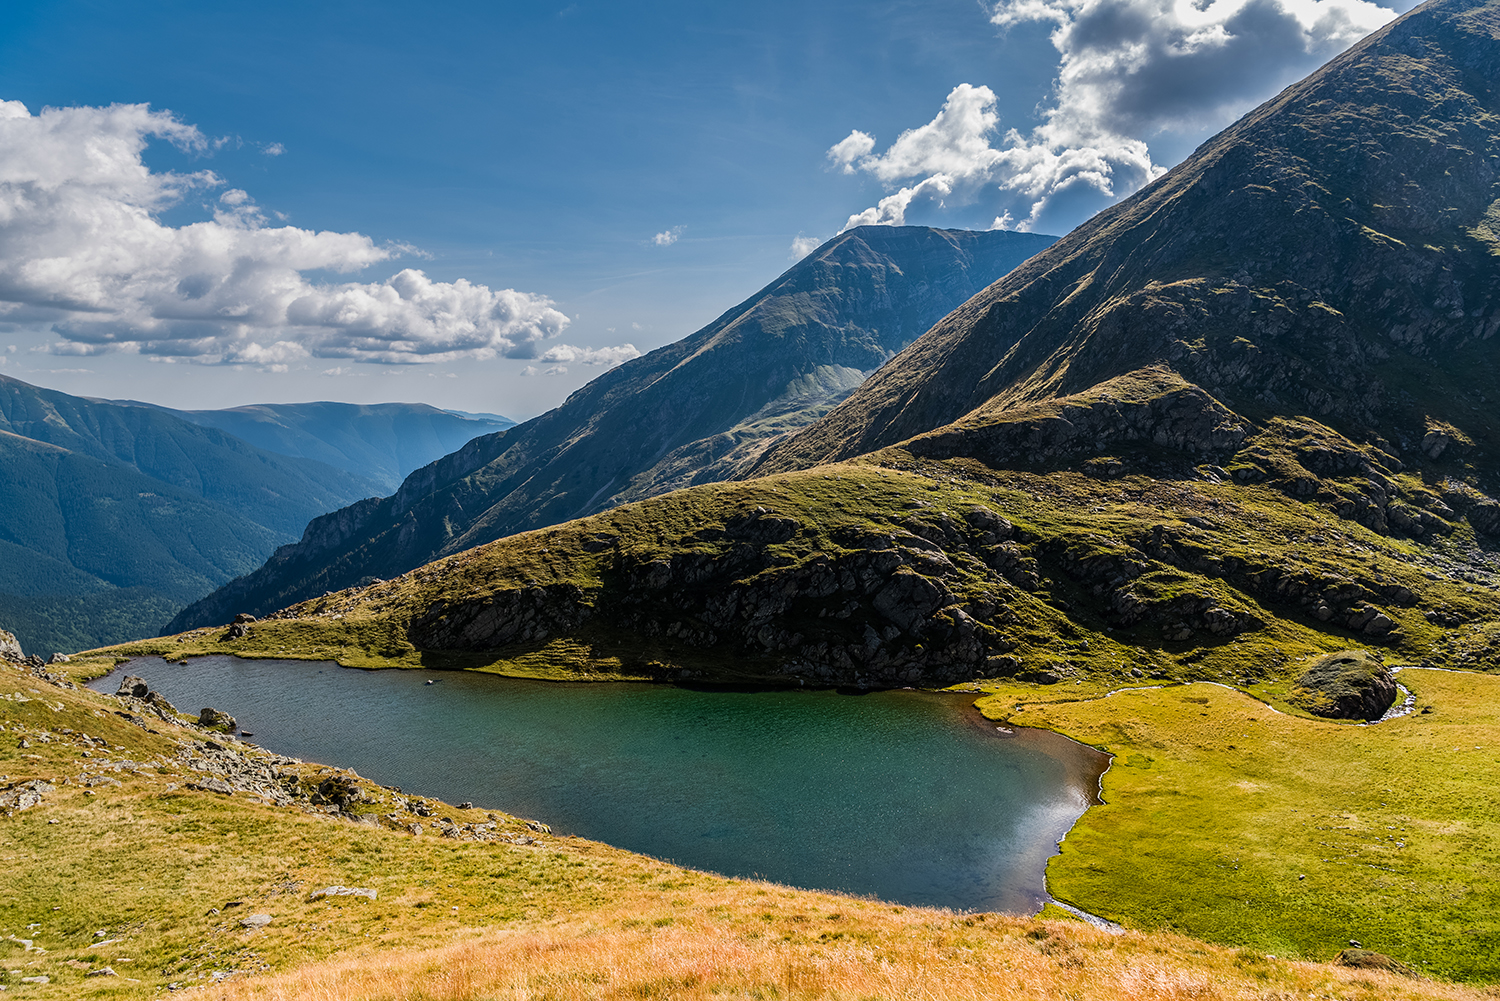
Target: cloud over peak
(84,253)
(1128,71)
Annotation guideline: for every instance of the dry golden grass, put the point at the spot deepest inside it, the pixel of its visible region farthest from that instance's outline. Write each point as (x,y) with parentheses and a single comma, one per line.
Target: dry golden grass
(887,952)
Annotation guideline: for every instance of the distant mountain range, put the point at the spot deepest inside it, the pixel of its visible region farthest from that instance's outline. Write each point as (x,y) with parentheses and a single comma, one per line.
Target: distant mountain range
(114,516)
(381,442)
(695,411)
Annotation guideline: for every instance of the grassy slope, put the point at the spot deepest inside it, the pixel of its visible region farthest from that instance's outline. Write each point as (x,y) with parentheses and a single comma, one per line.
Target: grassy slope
(1183,804)
(1289,835)
(1070,519)
(152,865)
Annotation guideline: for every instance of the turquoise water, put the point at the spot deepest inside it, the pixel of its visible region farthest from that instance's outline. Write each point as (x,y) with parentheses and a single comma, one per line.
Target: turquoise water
(910,797)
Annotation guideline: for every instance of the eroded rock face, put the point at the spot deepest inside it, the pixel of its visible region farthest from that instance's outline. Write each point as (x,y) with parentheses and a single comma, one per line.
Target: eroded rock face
(533,614)
(1350,684)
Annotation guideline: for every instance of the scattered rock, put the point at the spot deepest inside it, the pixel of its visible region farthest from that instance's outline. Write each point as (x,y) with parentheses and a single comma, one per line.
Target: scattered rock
(23,795)
(103,971)
(243,618)
(213,719)
(1368,959)
(237,631)
(43,979)
(1350,684)
(60,658)
(254,921)
(344,891)
(213,783)
(132,687)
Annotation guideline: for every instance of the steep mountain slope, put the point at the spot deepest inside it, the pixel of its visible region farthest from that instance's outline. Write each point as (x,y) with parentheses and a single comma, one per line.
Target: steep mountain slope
(381,442)
(1334,255)
(112,517)
(692,412)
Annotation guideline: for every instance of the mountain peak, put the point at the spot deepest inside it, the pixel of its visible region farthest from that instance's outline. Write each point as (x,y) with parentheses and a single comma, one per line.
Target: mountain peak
(1339,232)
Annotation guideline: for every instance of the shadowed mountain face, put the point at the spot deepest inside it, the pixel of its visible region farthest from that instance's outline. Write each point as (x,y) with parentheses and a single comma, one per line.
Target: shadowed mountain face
(381,442)
(113,517)
(695,411)
(276,491)
(1334,255)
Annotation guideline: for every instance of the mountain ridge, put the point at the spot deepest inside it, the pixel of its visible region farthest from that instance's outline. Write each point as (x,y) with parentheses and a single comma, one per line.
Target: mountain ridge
(1253,272)
(691,411)
(381,442)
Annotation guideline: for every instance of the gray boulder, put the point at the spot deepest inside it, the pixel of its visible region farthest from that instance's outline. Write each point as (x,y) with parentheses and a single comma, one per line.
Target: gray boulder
(133,687)
(10,647)
(213,719)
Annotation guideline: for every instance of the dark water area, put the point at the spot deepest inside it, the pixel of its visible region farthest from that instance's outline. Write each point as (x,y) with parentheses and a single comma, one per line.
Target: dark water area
(910,797)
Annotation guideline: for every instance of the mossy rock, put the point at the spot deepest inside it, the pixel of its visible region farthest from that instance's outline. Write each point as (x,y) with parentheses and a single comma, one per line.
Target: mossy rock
(1350,684)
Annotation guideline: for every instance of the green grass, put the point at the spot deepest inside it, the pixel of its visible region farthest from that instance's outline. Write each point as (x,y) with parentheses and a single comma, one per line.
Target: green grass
(167,874)
(1075,531)
(1228,821)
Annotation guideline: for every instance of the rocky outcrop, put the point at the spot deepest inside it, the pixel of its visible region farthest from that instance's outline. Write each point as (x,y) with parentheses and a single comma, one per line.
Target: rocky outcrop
(525,615)
(215,719)
(1169,415)
(1350,684)
(10,647)
(20,796)
(137,695)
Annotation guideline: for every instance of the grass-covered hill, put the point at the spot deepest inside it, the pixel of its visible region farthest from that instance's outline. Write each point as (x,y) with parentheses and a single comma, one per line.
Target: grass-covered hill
(692,412)
(1234,812)
(1332,257)
(381,442)
(114,517)
(145,857)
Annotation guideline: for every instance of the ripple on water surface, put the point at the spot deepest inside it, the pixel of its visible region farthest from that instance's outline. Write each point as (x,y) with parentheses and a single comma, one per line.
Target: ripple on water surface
(911,797)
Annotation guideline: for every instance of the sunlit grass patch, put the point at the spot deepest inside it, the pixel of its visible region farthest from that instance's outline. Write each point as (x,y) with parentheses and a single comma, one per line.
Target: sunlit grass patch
(1228,820)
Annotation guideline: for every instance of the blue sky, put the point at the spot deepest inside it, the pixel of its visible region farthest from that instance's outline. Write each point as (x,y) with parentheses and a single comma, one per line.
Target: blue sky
(631,171)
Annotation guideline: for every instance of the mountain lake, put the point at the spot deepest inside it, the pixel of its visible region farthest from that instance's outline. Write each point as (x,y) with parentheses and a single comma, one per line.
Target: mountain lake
(910,797)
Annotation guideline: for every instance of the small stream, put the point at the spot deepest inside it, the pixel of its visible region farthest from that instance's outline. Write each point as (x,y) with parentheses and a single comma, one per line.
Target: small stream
(910,797)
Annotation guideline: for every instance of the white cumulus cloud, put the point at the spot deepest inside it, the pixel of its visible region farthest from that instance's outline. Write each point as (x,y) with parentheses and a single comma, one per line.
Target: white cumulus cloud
(804,245)
(84,253)
(1128,72)
(668,237)
(610,356)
